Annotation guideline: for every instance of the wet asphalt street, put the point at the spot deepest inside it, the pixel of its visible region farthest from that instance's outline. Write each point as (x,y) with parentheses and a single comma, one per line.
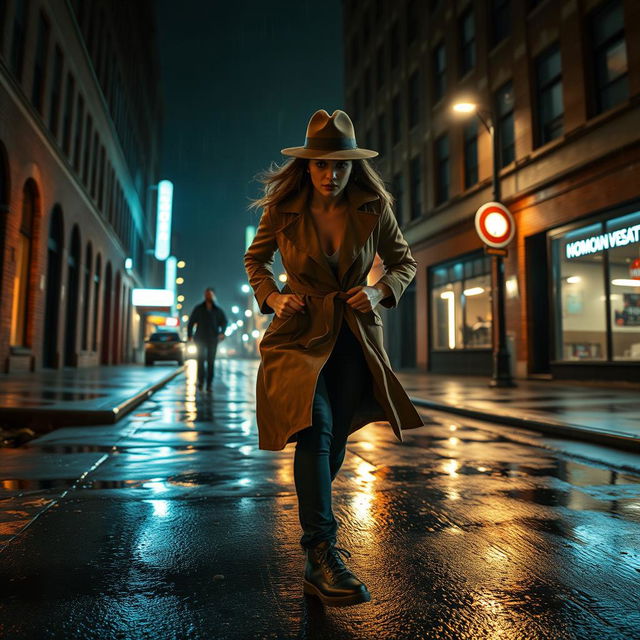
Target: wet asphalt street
(173,524)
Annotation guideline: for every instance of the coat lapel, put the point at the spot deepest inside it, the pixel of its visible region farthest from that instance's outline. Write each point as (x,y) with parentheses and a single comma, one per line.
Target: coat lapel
(302,233)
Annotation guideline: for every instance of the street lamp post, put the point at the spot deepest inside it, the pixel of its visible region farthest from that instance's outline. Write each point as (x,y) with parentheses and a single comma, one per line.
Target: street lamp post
(501,376)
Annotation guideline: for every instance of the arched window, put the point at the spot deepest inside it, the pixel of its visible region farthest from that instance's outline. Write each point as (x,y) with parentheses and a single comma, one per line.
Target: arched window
(20,308)
(96,301)
(87,294)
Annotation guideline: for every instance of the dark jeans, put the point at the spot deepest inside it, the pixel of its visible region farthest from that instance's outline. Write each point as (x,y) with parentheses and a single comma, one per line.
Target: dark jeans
(320,448)
(206,352)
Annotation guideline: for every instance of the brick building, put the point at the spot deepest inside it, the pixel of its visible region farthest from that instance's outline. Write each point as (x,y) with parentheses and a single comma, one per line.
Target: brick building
(560,80)
(79,131)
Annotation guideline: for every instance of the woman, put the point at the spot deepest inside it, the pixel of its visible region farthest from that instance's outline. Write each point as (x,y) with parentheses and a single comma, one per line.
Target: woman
(324,372)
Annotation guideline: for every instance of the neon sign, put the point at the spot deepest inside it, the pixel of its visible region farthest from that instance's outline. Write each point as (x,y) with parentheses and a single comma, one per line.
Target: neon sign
(603,241)
(163,220)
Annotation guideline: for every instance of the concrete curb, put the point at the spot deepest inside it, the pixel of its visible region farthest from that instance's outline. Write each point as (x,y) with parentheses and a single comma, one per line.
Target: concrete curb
(535,423)
(42,419)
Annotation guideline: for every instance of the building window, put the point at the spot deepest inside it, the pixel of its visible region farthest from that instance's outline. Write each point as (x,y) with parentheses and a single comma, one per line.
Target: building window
(467,37)
(504,113)
(395,45)
(439,72)
(77,151)
(354,51)
(368,138)
(413,21)
(68,114)
(380,66)
(3,18)
(499,21)
(414,99)
(56,91)
(549,104)
(366,27)
(396,119)
(382,134)
(470,153)
(87,150)
(41,58)
(21,13)
(596,278)
(101,180)
(415,179)
(442,168)
(461,304)
(367,87)
(396,187)
(356,104)
(21,293)
(609,51)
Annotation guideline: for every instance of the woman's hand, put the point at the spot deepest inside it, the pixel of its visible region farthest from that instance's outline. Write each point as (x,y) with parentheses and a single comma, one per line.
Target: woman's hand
(365,298)
(285,304)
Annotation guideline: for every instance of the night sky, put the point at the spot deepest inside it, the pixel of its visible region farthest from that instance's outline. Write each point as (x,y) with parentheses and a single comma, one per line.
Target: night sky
(240,82)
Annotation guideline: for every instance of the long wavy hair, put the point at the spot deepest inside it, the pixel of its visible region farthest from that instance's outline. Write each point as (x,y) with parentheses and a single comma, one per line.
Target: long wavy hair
(280,181)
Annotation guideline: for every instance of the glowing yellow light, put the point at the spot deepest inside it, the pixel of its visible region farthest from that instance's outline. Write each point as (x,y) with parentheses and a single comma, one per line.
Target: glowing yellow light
(473,291)
(282,277)
(464,107)
(179,280)
(185,318)
(496,224)
(180,298)
(181,264)
(178,306)
(451,317)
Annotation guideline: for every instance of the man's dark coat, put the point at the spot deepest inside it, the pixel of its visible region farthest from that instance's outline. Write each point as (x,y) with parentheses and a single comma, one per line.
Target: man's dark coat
(210,322)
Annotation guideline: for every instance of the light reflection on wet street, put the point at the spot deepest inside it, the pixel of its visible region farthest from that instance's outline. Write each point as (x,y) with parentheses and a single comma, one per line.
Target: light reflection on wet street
(173,524)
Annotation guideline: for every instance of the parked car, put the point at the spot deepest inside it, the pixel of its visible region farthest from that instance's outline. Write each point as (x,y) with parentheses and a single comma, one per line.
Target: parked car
(164,345)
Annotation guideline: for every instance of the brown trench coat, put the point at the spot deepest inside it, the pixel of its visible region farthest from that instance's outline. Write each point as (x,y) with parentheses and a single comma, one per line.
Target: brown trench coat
(293,350)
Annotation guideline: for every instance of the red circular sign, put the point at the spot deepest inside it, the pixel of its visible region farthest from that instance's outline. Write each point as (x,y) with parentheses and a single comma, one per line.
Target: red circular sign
(495,224)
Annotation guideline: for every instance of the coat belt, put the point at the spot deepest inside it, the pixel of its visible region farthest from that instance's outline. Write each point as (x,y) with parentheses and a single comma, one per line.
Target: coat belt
(328,309)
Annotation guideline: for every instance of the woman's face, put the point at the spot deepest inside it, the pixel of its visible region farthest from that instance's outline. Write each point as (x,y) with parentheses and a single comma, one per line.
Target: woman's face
(330,177)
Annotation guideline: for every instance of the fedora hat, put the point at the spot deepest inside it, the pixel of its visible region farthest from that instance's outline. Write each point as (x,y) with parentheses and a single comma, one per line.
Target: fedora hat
(330,137)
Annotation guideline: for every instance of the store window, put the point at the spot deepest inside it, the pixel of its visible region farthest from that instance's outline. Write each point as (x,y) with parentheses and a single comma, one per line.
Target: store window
(461,304)
(596,271)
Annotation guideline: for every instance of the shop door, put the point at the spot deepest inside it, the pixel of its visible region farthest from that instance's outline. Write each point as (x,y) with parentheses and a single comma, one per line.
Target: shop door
(538,308)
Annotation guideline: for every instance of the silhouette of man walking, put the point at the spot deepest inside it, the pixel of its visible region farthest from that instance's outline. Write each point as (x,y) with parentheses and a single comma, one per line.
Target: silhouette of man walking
(211,322)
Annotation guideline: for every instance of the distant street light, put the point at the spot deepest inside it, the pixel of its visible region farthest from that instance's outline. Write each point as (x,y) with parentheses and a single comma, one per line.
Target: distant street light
(181,264)
(235,309)
(248,313)
(185,318)
(180,280)
(245,288)
(180,298)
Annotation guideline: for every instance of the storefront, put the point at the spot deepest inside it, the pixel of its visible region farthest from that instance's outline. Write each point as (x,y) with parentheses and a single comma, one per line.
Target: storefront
(460,315)
(595,292)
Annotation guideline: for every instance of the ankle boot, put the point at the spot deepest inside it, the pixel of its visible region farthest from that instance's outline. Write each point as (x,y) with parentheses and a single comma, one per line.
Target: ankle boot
(327,577)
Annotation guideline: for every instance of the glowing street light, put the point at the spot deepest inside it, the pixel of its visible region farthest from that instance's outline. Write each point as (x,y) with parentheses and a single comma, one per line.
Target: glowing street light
(180,298)
(464,107)
(235,309)
(181,264)
(245,288)
(501,376)
(180,280)
(248,313)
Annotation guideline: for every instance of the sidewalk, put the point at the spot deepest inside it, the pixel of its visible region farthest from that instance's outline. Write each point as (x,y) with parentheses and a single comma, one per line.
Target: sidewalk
(94,395)
(592,412)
